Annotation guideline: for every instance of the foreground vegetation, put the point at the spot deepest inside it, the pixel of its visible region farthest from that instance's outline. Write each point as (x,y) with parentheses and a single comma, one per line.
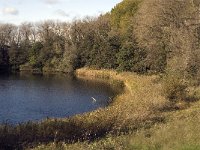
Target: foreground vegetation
(179,132)
(147,120)
(136,106)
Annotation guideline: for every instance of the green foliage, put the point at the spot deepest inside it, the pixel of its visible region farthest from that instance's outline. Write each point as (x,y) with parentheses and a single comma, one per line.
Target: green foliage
(122,14)
(34,53)
(125,57)
(17,56)
(105,42)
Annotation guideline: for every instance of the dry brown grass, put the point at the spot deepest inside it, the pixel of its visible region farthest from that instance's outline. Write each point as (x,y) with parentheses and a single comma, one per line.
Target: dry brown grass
(132,110)
(136,107)
(136,104)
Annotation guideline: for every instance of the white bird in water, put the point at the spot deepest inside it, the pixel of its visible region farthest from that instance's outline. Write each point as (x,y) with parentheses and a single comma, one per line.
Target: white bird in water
(93,99)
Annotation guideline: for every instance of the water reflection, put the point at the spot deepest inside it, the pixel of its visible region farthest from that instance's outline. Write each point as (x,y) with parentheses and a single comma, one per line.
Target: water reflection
(26,97)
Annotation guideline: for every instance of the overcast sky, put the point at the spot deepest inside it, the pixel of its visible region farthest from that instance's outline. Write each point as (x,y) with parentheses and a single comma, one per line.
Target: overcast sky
(17,11)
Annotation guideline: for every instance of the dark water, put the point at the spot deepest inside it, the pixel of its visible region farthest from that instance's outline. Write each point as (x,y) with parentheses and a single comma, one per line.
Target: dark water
(35,97)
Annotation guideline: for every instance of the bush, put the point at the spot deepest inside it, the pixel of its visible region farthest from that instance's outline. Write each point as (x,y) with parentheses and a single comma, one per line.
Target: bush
(174,87)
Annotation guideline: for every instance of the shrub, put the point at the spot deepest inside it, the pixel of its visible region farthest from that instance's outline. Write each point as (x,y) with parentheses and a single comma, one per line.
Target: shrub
(174,87)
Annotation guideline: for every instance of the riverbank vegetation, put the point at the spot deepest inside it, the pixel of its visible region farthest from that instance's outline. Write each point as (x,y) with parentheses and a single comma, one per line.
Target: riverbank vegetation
(131,110)
(151,46)
(144,117)
(179,132)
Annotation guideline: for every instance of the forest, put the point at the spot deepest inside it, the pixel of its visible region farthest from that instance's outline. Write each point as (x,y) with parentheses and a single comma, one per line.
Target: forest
(103,42)
(132,37)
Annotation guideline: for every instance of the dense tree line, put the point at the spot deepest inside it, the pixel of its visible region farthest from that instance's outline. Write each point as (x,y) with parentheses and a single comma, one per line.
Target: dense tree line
(169,31)
(101,42)
(137,35)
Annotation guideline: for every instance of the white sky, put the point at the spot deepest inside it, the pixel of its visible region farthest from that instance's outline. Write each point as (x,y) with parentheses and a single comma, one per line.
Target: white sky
(18,11)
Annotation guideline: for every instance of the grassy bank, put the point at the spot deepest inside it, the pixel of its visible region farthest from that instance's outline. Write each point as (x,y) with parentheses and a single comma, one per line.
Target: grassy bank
(138,118)
(152,124)
(138,103)
(132,110)
(136,108)
(180,132)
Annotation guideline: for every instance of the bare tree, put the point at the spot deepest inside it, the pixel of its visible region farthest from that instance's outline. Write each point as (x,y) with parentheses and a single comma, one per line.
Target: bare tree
(167,30)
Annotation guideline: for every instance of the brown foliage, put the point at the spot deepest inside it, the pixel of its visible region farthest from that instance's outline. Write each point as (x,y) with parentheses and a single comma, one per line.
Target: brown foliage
(167,29)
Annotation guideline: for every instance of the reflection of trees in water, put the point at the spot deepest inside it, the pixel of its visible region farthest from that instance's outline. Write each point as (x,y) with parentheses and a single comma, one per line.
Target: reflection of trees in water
(3,86)
(4,58)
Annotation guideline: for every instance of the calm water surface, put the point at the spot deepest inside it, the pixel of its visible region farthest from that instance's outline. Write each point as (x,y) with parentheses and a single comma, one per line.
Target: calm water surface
(35,97)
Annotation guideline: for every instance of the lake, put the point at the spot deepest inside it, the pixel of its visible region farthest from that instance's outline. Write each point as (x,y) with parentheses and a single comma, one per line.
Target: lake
(25,97)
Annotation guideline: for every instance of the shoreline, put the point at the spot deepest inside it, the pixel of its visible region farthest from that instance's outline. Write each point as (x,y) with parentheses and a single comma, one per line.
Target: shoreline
(131,110)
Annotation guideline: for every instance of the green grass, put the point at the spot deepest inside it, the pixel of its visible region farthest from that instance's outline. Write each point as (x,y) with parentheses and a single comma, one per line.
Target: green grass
(181,131)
